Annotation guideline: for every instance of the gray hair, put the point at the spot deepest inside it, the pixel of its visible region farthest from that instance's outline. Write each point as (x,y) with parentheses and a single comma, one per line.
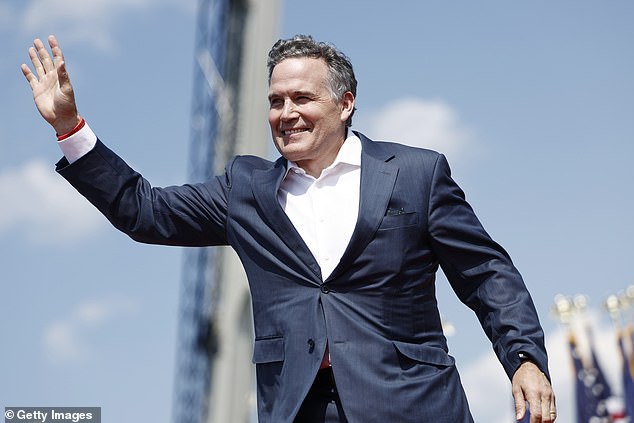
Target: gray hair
(340,73)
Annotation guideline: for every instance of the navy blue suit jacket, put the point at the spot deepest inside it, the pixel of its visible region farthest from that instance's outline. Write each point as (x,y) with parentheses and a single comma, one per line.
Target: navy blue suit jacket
(377,309)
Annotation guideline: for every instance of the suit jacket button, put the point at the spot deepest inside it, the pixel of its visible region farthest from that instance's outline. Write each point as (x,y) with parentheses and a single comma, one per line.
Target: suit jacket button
(311,345)
(325,289)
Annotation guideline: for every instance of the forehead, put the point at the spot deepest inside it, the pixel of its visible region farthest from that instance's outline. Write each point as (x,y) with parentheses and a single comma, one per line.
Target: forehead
(299,73)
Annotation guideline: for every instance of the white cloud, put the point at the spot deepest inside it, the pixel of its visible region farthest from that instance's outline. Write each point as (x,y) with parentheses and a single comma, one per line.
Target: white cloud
(487,386)
(46,208)
(423,123)
(63,339)
(89,22)
(488,390)
(62,344)
(96,312)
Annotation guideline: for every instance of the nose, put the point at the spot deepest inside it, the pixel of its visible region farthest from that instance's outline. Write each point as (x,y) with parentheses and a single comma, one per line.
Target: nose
(288,111)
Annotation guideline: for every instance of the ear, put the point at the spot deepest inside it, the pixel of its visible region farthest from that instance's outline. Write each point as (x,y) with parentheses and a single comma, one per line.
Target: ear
(347,105)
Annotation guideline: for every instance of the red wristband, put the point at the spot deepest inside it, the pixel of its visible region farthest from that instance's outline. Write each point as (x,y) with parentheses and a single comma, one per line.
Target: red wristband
(76,129)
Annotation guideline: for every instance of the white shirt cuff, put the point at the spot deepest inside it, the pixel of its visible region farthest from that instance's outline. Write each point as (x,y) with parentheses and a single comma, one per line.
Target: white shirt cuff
(78,144)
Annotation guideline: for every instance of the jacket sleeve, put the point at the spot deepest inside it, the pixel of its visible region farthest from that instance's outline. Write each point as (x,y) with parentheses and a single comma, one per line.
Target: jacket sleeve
(482,274)
(187,215)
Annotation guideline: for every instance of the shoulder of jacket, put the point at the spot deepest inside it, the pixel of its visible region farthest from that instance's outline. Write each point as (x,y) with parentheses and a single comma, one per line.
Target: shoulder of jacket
(398,148)
(250,162)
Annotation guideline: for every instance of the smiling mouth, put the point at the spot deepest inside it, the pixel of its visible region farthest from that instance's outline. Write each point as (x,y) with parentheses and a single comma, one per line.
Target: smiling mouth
(287,132)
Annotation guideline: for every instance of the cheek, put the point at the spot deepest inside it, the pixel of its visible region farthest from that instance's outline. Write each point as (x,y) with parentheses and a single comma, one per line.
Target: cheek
(273,119)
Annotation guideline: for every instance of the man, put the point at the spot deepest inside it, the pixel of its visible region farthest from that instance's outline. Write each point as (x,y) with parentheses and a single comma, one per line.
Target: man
(340,238)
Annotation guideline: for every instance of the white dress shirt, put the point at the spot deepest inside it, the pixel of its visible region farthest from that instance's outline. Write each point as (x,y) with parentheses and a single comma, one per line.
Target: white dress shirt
(324,210)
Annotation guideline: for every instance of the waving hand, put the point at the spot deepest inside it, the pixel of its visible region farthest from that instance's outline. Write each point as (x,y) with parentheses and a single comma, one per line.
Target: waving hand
(52,90)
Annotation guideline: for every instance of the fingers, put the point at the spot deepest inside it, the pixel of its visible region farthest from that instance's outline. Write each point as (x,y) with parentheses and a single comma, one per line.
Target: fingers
(52,41)
(28,74)
(64,80)
(45,58)
(542,410)
(58,56)
(44,64)
(549,409)
(541,406)
(37,63)
(547,400)
(58,59)
(40,57)
(520,405)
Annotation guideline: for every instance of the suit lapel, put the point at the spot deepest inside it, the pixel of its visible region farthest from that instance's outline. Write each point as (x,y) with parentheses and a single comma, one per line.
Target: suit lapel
(378,176)
(265,185)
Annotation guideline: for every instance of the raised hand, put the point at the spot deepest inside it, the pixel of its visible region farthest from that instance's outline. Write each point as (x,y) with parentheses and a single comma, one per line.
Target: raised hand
(52,91)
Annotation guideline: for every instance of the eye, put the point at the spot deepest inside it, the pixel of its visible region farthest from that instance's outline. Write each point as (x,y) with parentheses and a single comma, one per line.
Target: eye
(275,102)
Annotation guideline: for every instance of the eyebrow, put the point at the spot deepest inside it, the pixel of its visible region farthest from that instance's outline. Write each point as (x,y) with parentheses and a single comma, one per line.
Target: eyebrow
(295,93)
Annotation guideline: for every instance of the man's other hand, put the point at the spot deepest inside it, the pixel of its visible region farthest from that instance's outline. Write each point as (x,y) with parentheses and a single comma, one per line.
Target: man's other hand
(531,385)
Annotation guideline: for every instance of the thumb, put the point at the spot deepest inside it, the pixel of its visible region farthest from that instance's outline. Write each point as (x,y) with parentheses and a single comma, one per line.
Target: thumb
(64,80)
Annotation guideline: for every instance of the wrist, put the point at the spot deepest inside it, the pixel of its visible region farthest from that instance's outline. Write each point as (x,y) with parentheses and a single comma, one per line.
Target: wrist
(65,125)
(66,130)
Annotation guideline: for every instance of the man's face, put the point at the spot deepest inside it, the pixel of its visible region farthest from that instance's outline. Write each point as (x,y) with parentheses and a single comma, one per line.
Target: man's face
(307,125)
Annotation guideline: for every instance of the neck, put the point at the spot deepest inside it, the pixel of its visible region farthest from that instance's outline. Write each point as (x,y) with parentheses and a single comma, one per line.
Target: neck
(314,167)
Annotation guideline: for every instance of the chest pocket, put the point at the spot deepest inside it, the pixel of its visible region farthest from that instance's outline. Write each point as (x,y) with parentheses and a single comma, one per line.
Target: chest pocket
(398,218)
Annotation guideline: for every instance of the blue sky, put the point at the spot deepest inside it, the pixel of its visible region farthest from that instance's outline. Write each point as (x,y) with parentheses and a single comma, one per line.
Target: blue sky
(533,103)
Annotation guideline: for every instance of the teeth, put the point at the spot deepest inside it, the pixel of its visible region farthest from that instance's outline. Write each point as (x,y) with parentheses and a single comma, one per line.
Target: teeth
(293,131)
